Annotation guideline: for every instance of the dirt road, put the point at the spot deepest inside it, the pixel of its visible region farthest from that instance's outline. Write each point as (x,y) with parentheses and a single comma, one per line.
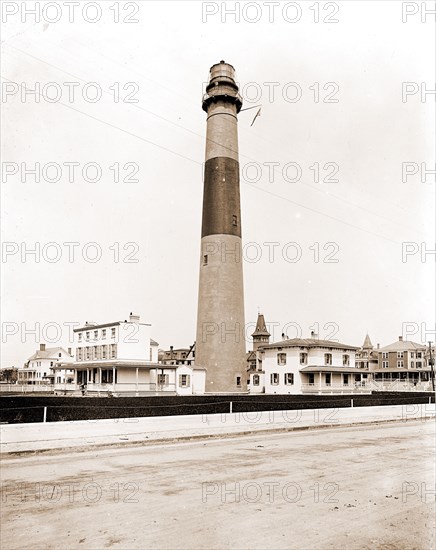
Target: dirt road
(355,488)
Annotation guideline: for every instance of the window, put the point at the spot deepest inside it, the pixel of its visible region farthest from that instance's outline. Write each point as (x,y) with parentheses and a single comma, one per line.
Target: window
(419,364)
(79,354)
(107,376)
(235,220)
(328,379)
(51,363)
(103,333)
(412,354)
(399,354)
(281,359)
(303,358)
(256,380)
(274,379)
(327,358)
(79,337)
(88,354)
(94,352)
(103,352)
(385,364)
(385,355)
(60,355)
(345,379)
(87,335)
(113,351)
(184,380)
(95,334)
(412,364)
(205,259)
(113,332)
(400,364)
(311,379)
(419,355)
(238,381)
(163,379)
(345,360)
(289,378)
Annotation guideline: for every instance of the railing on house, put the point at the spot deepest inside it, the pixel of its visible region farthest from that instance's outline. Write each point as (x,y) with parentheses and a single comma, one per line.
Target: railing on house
(335,388)
(399,385)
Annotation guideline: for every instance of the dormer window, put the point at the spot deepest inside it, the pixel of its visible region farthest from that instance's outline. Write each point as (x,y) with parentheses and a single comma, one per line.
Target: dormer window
(235,221)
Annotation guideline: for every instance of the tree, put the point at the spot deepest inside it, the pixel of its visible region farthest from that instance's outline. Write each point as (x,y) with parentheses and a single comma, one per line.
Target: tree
(9,375)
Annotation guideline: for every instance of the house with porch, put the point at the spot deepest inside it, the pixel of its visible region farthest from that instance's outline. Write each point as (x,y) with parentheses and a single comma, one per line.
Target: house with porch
(39,369)
(311,366)
(120,358)
(402,366)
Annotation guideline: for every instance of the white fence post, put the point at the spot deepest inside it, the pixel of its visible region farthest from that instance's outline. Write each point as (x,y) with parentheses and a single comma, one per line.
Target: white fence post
(45,414)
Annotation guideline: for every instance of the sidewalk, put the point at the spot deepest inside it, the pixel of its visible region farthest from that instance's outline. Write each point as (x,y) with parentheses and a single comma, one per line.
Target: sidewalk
(16,438)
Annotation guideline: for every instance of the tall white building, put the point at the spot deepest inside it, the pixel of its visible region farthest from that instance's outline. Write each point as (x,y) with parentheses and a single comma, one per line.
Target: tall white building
(121,358)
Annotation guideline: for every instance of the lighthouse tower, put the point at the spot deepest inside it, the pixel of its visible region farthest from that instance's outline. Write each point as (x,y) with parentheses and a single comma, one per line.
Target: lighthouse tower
(220,344)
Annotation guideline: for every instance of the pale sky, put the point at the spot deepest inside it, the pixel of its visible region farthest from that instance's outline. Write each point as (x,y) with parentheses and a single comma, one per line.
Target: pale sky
(362,61)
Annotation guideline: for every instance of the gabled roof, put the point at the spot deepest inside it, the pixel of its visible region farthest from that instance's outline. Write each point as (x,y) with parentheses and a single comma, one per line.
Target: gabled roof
(48,353)
(403,345)
(260,329)
(309,343)
(153,342)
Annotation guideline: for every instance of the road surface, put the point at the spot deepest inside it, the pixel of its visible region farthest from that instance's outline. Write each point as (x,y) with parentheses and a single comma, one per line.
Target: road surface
(365,487)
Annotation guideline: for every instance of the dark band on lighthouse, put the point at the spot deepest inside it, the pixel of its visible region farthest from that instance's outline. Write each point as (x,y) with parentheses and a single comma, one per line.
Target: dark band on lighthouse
(221,200)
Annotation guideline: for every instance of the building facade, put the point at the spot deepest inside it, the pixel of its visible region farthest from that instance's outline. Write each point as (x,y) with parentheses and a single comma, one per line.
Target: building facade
(120,358)
(311,366)
(402,366)
(39,369)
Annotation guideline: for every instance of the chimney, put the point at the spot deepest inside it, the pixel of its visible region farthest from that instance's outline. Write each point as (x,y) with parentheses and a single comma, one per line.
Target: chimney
(378,346)
(41,347)
(400,338)
(133,318)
